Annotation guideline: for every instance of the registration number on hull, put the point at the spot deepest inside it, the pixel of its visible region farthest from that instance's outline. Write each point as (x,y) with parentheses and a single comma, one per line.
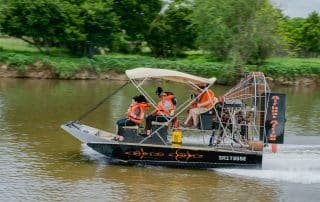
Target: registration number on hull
(232,158)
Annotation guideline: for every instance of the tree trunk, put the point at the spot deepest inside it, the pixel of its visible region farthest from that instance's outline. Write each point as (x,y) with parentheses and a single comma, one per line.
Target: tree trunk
(32,43)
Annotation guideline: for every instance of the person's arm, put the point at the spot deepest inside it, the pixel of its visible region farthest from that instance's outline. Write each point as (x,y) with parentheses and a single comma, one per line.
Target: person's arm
(154,111)
(203,104)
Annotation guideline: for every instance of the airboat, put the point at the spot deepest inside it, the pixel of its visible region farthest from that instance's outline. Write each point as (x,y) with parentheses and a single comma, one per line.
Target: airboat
(231,134)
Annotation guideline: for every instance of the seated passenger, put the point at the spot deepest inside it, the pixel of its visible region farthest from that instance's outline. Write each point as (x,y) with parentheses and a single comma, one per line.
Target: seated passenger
(134,115)
(165,109)
(204,103)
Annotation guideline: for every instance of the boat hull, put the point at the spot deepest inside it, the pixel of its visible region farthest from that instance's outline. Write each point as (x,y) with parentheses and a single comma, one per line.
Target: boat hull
(163,155)
(133,154)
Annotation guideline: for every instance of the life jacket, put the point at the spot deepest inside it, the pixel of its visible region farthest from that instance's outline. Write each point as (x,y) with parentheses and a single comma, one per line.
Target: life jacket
(174,99)
(166,105)
(208,95)
(132,109)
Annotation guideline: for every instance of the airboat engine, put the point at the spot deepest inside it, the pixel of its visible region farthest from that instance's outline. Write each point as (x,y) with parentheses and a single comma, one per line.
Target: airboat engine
(251,115)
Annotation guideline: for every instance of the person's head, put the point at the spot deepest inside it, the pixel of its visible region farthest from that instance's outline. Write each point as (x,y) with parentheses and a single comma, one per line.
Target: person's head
(141,99)
(135,99)
(200,88)
(160,92)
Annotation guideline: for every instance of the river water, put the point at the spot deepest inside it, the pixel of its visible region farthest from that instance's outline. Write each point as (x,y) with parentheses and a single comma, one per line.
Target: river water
(41,162)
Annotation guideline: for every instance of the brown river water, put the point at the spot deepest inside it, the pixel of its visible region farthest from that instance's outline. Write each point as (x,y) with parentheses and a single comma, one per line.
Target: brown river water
(41,162)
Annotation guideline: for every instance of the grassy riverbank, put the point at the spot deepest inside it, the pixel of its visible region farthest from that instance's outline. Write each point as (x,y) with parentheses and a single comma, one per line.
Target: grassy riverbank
(17,54)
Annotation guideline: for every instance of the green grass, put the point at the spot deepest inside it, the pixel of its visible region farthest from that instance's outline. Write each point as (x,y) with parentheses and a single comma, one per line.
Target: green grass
(10,44)
(66,66)
(17,53)
(290,67)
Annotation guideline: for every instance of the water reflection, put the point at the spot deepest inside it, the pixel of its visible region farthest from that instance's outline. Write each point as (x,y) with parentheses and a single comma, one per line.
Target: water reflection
(184,185)
(303,110)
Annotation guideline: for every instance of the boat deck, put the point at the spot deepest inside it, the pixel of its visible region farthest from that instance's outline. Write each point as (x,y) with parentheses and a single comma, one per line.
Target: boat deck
(89,134)
(220,147)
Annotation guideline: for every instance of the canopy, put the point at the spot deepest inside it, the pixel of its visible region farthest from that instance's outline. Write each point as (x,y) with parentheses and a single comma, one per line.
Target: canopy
(166,74)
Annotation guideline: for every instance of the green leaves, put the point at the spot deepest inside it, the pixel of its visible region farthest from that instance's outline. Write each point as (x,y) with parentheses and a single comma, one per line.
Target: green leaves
(241,31)
(136,16)
(80,26)
(238,31)
(172,32)
(311,34)
(302,35)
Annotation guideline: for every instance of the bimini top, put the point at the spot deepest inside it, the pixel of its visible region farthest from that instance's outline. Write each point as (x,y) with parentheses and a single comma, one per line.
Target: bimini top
(166,74)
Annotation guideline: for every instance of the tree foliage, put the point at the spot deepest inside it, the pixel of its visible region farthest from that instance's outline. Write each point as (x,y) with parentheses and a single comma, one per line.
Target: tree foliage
(77,25)
(302,35)
(136,17)
(291,31)
(27,19)
(311,35)
(239,30)
(2,8)
(99,25)
(171,33)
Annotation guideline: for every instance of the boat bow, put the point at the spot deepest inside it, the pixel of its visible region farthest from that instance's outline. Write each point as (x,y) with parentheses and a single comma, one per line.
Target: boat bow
(86,134)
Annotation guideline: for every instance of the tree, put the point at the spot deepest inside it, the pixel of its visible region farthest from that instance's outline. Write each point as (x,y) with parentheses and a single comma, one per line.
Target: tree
(302,35)
(158,38)
(2,8)
(266,39)
(311,35)
(291,31)
(99,24)
(238,30)
(172,32)
(136,17)
(80,26)
(36,22)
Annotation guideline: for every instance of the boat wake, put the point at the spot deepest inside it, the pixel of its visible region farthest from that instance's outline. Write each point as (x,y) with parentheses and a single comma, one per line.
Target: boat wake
(93,155)
(292,163)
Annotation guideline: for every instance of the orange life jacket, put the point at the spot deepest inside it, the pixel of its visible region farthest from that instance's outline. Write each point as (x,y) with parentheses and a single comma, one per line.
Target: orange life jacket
(208,95)
(165,106)
(132,109)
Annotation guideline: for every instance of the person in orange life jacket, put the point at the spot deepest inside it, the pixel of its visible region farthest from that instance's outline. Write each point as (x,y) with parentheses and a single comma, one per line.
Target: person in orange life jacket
(165,109)
(205,102)
(134,115)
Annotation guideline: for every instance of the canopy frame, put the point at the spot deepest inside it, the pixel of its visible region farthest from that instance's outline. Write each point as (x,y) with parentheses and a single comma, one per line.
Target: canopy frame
(180,108)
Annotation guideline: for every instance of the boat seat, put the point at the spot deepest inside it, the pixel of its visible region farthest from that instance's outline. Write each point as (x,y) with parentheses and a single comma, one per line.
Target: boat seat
(159,123)
(162,131)
(174,123)
(131,127)
(130,130)
(206,120)
(131,133)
